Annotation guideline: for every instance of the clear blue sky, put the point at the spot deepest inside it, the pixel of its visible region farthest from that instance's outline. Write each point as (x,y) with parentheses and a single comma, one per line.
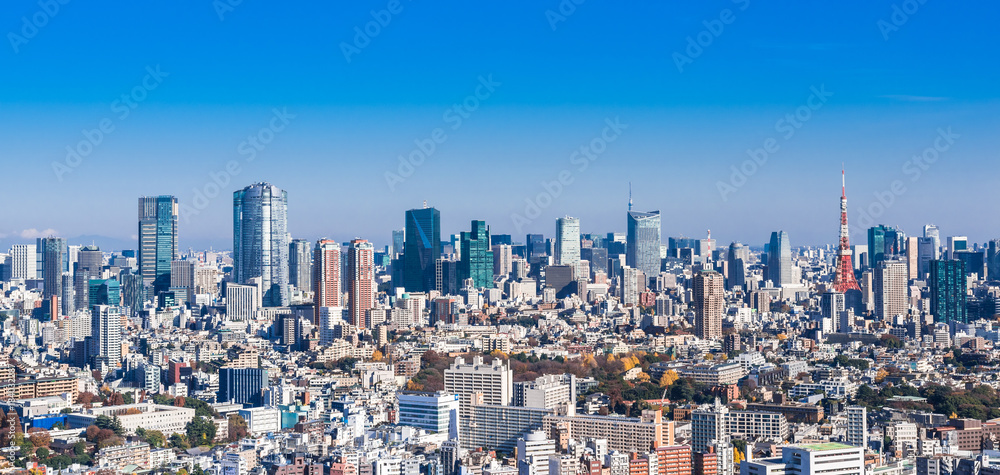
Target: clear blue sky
(893,88)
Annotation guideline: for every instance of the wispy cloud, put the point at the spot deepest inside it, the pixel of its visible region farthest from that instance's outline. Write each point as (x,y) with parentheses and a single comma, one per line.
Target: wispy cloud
(910,98)
(34,233)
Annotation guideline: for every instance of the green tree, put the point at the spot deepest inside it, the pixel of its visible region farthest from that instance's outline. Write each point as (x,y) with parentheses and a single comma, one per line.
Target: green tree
(179,441)
(110,423)
(200,431)
(156,439)
(42,453)
(79,448)
(59,462)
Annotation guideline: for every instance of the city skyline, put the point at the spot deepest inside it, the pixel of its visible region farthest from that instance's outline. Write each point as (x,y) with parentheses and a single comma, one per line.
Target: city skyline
(869,95)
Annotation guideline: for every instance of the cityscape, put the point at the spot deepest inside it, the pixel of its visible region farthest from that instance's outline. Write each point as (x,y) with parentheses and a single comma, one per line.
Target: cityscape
(478,240)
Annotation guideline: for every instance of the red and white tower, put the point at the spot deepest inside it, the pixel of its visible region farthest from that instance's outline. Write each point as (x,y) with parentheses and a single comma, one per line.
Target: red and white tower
(844,279)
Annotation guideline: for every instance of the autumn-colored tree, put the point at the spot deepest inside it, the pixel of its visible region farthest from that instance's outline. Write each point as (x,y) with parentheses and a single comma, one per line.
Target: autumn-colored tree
(115,399)
(92,432)
(377,356)
(179,401)
(412,385)
(39,438)
(237,428)
(668,378)
(642,377)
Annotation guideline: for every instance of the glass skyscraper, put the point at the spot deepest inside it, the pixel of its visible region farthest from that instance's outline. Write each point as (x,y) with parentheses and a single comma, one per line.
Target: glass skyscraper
(948,286)
(779,259)
(300,261)
(643,242)
(242,386)
(157,240)
(567,248)
(54,261)
(421,248)
(261,242)
(477,257)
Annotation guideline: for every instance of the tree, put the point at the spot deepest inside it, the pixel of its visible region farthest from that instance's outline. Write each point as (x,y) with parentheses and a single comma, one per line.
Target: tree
(92,432)
(179,441)
(200,431)
(111,423)
(156,439)
(41,453)
(129,399)
(179,401)
(668,378)
(115,399)
(80,448)
(237,428)
(377,356)
(40,438)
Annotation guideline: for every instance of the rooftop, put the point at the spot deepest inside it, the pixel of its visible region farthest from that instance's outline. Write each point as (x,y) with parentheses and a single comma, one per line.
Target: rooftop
(826,446)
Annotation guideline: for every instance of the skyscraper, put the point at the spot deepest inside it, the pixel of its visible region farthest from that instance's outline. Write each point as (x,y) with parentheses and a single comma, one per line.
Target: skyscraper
(931,232)
(567,248)
(736,262)
(891,289)
(956,243)
(477,257)
(779,259)
(643,242)
(535,247)
(857,426)
(106,335)
(709,298)
(260,240)
(361,280)
(948,285)
(300,261)
(503,259)
(23,261)
(421,248)
(54,257)
(326,267)
(157,240)
(993,260)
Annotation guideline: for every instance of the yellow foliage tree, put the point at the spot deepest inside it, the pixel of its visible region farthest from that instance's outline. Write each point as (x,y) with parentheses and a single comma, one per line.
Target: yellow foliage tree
(880,375)
(589,360)
(611,358)
(643,377)
(709,357)
(737,455)
(668,378)
(782,337)
(377,356)
(498,354)
(628,363)
(412,385)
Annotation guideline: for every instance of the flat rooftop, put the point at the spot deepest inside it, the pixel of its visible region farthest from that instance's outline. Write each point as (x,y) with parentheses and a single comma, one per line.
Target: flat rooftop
(826,446)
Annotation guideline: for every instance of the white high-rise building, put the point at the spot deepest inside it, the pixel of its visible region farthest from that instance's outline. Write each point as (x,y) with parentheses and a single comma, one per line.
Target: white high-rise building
(23,260)
(956,243)
(891,289)
(242,301)
(503,259)
(828,458)
(708,425)
(329,318)
(495,381)
(106,334)
(567,246)
(533,452)
(931,232)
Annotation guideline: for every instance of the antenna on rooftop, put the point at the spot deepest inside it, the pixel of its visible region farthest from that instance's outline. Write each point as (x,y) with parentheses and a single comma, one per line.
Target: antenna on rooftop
(630,196)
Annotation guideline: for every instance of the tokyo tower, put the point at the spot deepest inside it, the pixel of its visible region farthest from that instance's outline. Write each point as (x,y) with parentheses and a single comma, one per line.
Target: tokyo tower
(844,279)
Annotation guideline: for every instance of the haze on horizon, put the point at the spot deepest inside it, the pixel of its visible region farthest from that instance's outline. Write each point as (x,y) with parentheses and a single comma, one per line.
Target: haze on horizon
(734,116)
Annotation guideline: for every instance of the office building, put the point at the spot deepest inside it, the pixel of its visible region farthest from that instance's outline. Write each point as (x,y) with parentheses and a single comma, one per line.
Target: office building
(182,279)
(433,412)
(261,242)
(300,262)
(157,240)
(891,289)
(832,304)
(503,260)
(779,259)
(956,243)
(326,278)
(361,281)
(829,458)
(934,234)
(535,247)
(643,242)
(709,301)
(23,261)
(242,386)
(948,287)
(242,301)
(736,265)
(421,248)
(476,256)
(104,292)
(261,420)
(54,257)
(567,246)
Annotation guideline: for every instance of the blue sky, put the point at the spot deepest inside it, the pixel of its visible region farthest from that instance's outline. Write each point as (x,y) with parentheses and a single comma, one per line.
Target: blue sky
(893,88)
